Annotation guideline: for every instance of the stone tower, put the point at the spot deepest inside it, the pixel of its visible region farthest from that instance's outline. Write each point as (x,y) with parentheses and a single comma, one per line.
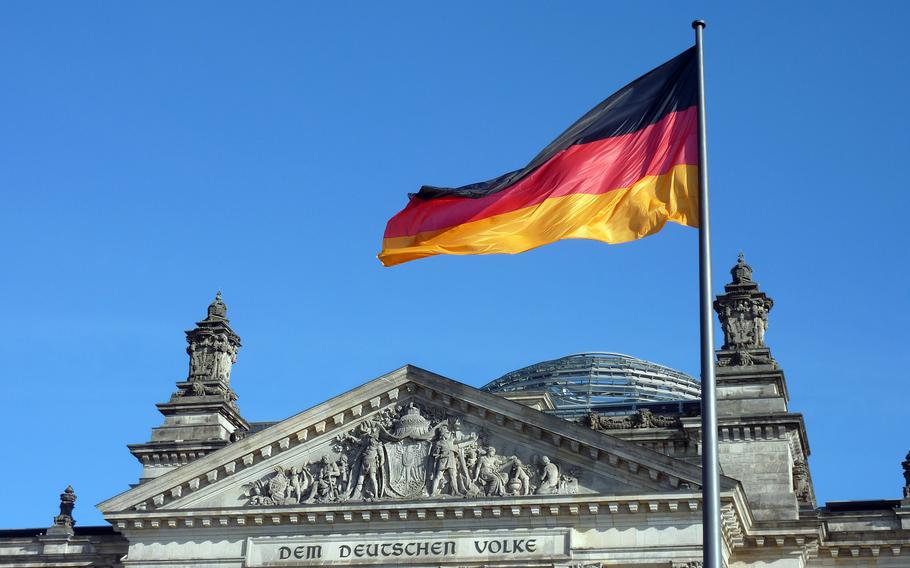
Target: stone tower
(761,442)
(202,415)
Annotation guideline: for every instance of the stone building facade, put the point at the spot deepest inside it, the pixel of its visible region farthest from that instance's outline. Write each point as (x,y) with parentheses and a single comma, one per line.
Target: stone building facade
(415,469)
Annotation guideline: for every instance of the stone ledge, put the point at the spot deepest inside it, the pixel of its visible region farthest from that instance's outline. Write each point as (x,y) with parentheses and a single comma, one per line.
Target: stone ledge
(530,506)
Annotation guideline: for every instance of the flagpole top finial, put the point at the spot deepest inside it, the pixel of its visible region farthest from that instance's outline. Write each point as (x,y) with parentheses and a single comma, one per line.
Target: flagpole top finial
(698,24)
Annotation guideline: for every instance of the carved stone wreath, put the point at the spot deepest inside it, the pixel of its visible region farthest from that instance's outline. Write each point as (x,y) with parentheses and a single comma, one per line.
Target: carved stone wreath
(408,453)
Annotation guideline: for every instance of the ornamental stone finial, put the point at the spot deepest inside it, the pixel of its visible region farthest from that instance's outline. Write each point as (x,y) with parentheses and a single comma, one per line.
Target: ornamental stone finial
(906,466)
(217,309)
(742,272)
(212,348)
(65,519)
(743,312)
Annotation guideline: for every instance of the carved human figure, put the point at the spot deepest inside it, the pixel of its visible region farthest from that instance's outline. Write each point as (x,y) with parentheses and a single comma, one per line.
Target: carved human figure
(370,467)
(488,472)
(222,359)
(196,360)
(471,454)
(345,469)
(449,459)
(326,482)
(226,363)
(729,326)
(301,482)
(519,478)
(801,480)
(645,419)
(760,324)
(467,443)
(549,479)
(215,361)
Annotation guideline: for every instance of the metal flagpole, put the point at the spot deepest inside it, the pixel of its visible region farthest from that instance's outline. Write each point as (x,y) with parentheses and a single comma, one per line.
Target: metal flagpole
(710,473)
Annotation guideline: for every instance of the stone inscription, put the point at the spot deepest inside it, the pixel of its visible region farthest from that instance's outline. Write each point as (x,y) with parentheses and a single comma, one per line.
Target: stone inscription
(383,549)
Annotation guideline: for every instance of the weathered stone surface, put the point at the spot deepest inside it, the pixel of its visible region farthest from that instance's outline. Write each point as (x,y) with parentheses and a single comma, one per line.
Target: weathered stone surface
(63,523)
(411,452)
(202,415)
(743,311)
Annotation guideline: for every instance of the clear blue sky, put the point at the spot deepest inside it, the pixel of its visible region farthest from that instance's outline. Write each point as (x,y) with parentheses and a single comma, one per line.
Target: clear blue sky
(151,154)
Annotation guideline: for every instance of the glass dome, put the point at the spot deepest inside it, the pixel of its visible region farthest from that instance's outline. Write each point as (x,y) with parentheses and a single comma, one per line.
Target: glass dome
(598,381)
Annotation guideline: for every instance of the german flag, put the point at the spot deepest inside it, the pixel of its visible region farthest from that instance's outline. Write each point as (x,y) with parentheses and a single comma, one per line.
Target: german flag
(618,174)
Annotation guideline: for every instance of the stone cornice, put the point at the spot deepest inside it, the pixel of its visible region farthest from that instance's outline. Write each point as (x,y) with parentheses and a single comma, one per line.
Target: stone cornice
(756,427)
(896,547)
(552,506)
(555,509)
(776,539)
(668,433)
(858,543)
(809,538)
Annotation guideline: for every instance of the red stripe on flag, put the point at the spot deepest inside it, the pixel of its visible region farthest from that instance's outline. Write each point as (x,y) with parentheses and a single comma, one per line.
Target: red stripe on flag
(592,168)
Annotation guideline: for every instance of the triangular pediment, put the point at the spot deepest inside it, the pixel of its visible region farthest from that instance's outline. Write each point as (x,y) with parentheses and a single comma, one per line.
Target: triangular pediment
(411,435)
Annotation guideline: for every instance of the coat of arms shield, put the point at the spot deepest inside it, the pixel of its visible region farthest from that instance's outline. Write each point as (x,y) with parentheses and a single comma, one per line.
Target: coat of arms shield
(407,463)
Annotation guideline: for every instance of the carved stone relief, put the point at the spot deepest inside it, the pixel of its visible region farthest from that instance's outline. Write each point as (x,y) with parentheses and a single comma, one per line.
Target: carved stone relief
(212,348)
(743,312)
(801,480)
(408,453)
(644,418)
(744,358)
(744,322)
(211,357)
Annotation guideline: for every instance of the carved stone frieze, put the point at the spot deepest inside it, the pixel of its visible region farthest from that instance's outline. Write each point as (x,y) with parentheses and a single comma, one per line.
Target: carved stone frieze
(643,418)
(407,453)
(689,564)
